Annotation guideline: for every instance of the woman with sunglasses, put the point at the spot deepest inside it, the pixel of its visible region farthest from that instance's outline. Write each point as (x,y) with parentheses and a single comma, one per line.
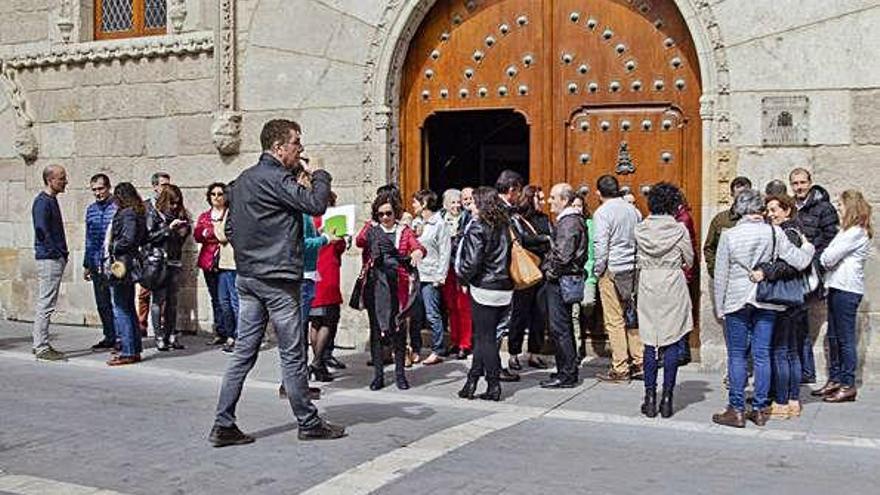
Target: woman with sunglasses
(391,250)
(168,225)
(218,266)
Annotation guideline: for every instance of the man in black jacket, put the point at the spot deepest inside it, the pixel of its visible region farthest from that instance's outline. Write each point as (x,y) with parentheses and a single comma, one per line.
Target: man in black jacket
(509,186)
(819,222)
(566,260)
(265,228)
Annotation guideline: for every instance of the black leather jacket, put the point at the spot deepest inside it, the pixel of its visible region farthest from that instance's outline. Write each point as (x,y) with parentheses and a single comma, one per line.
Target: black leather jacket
(128,231)
(534,233)
(779,269)
(159,234)
(484,257)
(265,222)
(569,253)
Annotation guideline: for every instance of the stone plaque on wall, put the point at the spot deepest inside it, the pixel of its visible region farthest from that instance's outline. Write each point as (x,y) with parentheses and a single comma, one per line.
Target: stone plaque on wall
(785,120)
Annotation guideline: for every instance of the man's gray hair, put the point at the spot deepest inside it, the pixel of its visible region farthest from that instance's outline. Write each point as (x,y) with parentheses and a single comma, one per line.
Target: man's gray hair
(154,179)
(748,202)
(565,191)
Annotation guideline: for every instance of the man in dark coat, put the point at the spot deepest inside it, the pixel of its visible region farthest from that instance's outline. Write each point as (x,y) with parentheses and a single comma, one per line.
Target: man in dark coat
(819,222)
(265,227)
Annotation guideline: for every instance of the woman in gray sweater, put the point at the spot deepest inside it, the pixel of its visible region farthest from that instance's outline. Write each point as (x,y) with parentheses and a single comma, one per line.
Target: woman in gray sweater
(748,323)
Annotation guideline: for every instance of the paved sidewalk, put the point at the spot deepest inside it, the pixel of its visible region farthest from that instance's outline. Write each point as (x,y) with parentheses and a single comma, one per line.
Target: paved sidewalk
(81,423)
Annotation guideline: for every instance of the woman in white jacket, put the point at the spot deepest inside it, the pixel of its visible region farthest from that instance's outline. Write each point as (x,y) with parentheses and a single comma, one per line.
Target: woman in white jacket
(844,262)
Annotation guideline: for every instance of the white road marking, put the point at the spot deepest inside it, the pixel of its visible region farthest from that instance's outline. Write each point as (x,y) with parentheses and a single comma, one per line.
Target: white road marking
(31,485)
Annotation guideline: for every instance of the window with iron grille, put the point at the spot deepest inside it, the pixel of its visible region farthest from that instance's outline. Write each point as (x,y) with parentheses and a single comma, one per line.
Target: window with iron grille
(129,18)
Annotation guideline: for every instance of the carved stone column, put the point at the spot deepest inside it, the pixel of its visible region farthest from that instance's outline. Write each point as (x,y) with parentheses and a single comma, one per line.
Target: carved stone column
(226,129)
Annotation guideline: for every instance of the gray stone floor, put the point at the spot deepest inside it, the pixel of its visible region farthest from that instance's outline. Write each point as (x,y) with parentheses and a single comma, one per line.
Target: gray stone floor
(80,426)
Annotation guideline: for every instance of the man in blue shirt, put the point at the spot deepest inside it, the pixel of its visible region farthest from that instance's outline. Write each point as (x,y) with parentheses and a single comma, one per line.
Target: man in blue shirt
(50,251)
(99,215)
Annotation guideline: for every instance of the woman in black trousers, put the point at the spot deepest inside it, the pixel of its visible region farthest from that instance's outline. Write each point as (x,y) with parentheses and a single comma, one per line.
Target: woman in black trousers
(483,266)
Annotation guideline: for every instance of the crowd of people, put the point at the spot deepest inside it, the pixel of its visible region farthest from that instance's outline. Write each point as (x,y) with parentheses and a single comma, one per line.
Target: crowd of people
(484,263)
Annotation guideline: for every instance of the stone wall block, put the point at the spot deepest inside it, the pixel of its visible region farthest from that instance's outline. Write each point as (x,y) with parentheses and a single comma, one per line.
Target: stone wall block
(367,11)
(191,97)
(12,170)
(127,101)
(193,172)
(194,134)
(848,167)
(8,263)
(866,116)
(100,73)
(159,69)
(56,140)
(127,169)
(762,165)
(195,67)
(24,27)
(55,77)
(8,128)
(62,105)
(830,117)
(344,162)
(110,138)
(20,200)
(161,137)
(281,26)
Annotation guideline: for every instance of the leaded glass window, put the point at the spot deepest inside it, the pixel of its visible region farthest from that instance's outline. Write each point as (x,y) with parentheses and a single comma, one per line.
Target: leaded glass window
(129,18)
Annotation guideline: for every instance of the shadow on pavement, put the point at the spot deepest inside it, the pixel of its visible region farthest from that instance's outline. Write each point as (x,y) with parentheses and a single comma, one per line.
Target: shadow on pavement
(691,392)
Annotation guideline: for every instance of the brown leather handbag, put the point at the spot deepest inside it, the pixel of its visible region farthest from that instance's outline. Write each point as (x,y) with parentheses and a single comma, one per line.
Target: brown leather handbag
(525,266)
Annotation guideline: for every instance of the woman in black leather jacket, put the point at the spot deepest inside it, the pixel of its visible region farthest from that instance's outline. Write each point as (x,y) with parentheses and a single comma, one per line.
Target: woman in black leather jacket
(127,233)
(787,332)
(483,266)
(529,307)
(168,225)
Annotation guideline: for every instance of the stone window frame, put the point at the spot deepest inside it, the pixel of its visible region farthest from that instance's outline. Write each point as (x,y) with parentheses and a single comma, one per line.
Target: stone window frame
(138,22)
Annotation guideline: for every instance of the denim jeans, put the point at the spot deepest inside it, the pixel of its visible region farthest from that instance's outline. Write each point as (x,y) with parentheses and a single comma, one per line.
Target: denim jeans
(125,319)
(562,330)
(104,303)
(842,357)
(307,292)
(671,354)
(49,273)
(279,302)
(805,342)
(227,297)
(785,356)
(433,314)
(212,281)
(749,327)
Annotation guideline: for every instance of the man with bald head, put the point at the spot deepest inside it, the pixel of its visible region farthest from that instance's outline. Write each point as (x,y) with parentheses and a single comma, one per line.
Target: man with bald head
(564,270)
(50,251)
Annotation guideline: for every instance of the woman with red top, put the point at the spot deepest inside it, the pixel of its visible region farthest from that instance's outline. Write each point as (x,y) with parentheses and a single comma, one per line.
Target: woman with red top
(208,262)
(390,251)
(325,310)
(455,299)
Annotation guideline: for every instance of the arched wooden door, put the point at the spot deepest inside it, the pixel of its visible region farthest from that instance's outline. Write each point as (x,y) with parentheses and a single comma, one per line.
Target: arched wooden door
(606,86)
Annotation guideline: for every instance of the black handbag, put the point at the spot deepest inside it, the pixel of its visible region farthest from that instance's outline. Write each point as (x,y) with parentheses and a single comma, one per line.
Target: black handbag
(356,301)
(782,292)
(572,288)
(154,270)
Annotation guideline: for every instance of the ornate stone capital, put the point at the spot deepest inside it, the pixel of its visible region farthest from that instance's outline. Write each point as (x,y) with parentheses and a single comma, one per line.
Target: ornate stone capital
(226,132)
(176,15)
(25,140)
(65,20)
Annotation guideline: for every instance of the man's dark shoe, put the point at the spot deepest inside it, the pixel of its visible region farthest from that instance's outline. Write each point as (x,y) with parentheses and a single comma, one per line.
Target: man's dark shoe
(807,380)
(469,388)
(463,354)
(612,376)
(493,392)
(217,340)
(537,363)
(827,389)
(104,345)
(50,354)
(558,383)
(843,394)
(335,363)
(507,376)
(759,416)
(323,431)
(221,436)
(730,417)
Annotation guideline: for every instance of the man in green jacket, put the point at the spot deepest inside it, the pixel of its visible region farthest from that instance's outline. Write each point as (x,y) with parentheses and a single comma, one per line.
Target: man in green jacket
(721,222)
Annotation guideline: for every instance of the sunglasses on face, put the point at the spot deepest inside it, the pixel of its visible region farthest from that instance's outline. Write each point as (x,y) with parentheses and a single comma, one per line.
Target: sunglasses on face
(216,194)
(383,214)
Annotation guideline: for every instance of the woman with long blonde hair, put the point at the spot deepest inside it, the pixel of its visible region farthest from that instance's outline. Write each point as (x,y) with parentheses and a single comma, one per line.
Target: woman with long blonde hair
(844,262)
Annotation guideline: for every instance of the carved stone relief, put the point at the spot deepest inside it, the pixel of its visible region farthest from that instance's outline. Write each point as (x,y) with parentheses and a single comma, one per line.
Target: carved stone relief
(176,15)
(226,129)
(25,140)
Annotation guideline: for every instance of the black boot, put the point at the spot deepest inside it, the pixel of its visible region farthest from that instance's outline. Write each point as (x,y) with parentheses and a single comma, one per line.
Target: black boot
(666,404)
(649,407)
(470,386)
(320,373)
(378,382)
(400,368)
(493,391)
(402,384)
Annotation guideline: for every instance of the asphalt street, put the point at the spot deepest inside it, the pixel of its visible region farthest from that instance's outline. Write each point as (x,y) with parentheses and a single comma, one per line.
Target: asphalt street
(80,427)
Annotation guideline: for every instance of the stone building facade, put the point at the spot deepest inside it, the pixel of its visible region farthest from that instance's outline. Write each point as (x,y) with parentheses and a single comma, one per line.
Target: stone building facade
(191,102)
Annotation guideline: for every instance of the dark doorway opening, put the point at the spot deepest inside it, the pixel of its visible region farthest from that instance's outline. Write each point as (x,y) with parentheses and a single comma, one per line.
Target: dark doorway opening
(472,147)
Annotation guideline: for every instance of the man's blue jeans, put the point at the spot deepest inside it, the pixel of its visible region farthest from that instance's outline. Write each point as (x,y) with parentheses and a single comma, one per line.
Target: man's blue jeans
(227,298)
(842,358)
(434,314)
(104,303)
(308,295)
(750,326)
(125,319)
(262,301)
